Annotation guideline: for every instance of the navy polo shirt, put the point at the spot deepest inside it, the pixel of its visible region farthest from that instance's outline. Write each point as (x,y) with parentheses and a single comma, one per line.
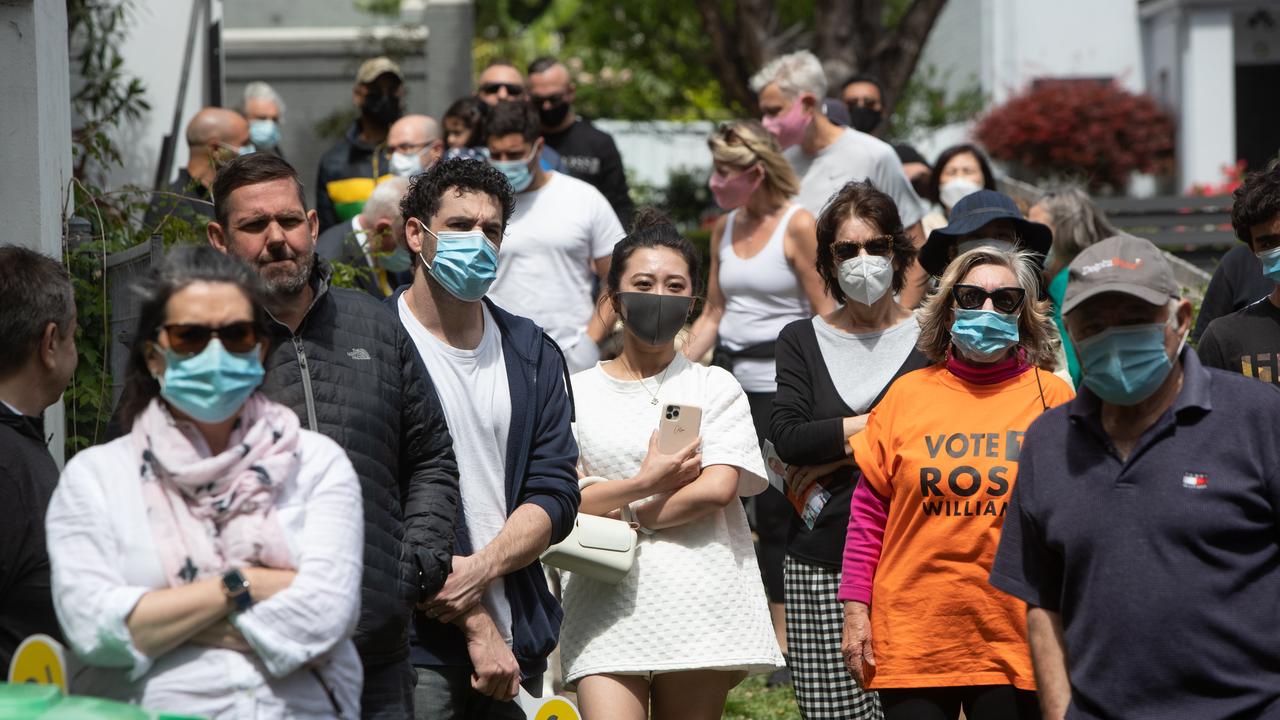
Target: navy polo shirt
(1165,567)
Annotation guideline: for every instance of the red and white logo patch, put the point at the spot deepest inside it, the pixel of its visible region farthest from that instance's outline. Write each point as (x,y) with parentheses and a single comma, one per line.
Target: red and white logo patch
(1195,481)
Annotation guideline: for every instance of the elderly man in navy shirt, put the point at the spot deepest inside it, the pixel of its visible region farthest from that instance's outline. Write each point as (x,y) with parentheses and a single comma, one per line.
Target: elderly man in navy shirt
(1143,529)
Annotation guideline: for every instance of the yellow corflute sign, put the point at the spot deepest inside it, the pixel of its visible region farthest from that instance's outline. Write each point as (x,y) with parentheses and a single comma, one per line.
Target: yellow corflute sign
(41,660)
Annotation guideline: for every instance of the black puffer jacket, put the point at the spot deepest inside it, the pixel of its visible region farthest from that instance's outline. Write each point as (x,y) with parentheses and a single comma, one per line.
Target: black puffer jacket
(351,373)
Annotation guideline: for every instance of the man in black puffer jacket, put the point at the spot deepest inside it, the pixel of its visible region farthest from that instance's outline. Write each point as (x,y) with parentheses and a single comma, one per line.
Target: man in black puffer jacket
(346,366)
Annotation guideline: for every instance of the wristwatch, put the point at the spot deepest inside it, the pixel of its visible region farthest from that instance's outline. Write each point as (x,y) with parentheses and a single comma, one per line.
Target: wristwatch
(236,587)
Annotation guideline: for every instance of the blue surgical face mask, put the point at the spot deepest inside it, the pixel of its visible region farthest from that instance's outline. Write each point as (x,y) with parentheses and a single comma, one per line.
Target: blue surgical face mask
(517,172)
(1125,365)
(982,335)
(211,385)
(466,263)
(1270,260)
(264,133)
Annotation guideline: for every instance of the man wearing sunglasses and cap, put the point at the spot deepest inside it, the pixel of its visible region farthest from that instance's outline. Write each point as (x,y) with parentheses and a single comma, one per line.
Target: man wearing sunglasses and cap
(1143,530)
(984,218)
(353,165)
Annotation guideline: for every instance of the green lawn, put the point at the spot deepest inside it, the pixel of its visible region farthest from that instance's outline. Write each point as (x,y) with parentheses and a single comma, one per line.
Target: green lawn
(753,701)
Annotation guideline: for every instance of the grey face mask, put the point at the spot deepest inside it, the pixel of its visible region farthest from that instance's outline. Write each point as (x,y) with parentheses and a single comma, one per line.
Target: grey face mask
(654,319)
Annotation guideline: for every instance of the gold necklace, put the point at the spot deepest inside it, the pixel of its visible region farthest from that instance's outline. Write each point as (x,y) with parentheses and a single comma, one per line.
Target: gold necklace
(653,396)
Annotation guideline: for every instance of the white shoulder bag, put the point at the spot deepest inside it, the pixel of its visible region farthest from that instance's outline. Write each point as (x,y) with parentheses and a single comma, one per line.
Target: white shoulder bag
(600,548)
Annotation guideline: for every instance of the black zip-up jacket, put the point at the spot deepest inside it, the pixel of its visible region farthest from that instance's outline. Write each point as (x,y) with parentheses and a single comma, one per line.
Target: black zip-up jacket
(349,157)
(27,478)
(352,373)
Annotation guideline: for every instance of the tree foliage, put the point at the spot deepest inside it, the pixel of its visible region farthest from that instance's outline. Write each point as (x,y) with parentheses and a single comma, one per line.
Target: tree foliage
(1095,132)
(645,60)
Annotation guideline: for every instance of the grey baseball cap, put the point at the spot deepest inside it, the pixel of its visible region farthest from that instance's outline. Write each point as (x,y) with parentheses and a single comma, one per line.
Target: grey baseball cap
(1123,264)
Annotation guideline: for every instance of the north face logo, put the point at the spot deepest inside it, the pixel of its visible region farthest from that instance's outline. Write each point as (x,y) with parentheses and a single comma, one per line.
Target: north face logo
(359,354)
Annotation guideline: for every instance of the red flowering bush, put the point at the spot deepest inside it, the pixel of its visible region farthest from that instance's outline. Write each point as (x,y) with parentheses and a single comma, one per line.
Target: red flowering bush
(1094,131)
(1232,178)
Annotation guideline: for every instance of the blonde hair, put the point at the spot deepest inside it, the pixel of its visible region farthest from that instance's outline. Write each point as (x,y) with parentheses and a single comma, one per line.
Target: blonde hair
(743,143)
(1037,334)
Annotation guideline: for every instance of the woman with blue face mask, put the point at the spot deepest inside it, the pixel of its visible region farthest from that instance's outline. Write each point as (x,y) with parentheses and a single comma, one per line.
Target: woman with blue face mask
(939,460)
(208,561)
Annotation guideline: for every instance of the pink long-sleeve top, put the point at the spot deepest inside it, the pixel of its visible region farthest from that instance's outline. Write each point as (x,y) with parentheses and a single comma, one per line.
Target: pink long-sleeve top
(868,515)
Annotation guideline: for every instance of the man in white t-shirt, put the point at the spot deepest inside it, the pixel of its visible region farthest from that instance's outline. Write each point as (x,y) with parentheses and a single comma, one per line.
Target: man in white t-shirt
(825,156)
(559,241)
(502,384)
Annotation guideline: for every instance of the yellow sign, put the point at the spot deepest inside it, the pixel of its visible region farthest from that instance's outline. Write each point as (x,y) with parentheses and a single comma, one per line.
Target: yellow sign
(40,660)
(552,708)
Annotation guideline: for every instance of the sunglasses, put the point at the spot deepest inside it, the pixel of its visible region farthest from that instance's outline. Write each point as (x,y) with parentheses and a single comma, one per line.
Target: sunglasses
(492,88)
(971,297)
(186,339)
(880,246)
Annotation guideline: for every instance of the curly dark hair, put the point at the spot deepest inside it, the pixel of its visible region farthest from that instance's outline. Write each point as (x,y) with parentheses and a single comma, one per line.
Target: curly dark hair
(935,178)
(512,117)
(1256,201)
(426,190)
(861,200)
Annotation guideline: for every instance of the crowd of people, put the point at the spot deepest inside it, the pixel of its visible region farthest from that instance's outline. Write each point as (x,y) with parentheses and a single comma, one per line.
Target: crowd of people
(986,474)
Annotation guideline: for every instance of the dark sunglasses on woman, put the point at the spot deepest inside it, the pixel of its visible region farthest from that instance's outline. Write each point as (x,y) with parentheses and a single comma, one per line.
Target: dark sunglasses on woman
(186,339)
(1005,299)
(879,246)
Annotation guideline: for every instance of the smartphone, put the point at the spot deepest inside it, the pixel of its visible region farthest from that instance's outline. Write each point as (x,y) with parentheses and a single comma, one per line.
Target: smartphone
(677,427)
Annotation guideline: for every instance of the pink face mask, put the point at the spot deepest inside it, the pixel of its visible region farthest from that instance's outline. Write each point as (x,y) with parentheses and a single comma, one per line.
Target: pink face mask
(731,193)
(788,127)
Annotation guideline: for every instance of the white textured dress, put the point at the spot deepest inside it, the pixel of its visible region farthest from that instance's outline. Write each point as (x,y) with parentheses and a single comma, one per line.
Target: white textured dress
(694,599)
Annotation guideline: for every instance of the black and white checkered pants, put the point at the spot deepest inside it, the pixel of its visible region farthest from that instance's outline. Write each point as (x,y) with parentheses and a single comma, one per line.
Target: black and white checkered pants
(815,621)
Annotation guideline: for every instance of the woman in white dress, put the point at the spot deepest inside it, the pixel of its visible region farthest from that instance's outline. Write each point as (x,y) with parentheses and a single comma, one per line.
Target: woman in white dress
(690,621)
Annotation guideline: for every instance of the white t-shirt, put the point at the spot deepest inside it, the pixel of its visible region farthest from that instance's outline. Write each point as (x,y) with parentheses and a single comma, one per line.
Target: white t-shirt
(694,598)
(854,156)
(545,261)
(476,396)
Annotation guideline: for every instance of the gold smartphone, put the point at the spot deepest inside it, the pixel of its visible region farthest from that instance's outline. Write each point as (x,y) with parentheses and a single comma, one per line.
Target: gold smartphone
(677,427)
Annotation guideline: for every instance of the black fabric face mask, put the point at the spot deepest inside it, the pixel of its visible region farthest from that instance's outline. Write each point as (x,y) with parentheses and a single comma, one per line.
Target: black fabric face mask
(554,115)
(383,108)
(654,319)
(863,119)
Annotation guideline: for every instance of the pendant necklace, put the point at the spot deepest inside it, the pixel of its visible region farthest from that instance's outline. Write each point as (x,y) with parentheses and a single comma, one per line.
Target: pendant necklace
(653,396)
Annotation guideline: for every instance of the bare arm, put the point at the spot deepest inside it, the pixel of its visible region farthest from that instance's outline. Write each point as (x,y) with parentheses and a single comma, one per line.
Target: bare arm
(715,488)
(522,539)
(659,473)
(604,317)
(802,252)
(1049,655)
(164,619)
(702,337)
(495,671)
(916,282)
(853,426)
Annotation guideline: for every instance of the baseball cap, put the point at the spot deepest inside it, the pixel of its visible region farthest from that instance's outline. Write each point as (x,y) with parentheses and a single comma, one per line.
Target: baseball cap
(971,213)
(372,68)
(1123,264)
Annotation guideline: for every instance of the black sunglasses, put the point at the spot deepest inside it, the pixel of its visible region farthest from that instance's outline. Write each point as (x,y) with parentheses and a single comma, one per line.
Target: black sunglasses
(880,246)
(971,297)
(492,88)
(189,339)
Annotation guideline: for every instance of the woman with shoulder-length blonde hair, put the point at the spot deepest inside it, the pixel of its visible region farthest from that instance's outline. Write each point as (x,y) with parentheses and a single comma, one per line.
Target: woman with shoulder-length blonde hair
(922,624)
(763,277)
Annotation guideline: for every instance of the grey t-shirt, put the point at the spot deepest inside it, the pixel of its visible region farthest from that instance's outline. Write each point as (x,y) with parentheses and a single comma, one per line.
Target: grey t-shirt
(854,156)
(861,364)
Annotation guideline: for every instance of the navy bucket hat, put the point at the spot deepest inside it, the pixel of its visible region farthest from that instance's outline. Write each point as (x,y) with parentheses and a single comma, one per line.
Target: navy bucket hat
(970,214)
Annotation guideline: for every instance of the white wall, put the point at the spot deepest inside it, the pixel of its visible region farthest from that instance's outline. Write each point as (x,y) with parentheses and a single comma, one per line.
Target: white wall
(1032,39)
(153,52)
(651,150)
(1207,131)
(35,138)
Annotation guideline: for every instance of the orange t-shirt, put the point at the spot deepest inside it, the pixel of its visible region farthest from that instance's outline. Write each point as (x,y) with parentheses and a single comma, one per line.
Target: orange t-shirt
(945,453)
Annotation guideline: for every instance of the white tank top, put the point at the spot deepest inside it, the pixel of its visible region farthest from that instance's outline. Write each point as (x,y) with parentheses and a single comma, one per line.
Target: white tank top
(762,294)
